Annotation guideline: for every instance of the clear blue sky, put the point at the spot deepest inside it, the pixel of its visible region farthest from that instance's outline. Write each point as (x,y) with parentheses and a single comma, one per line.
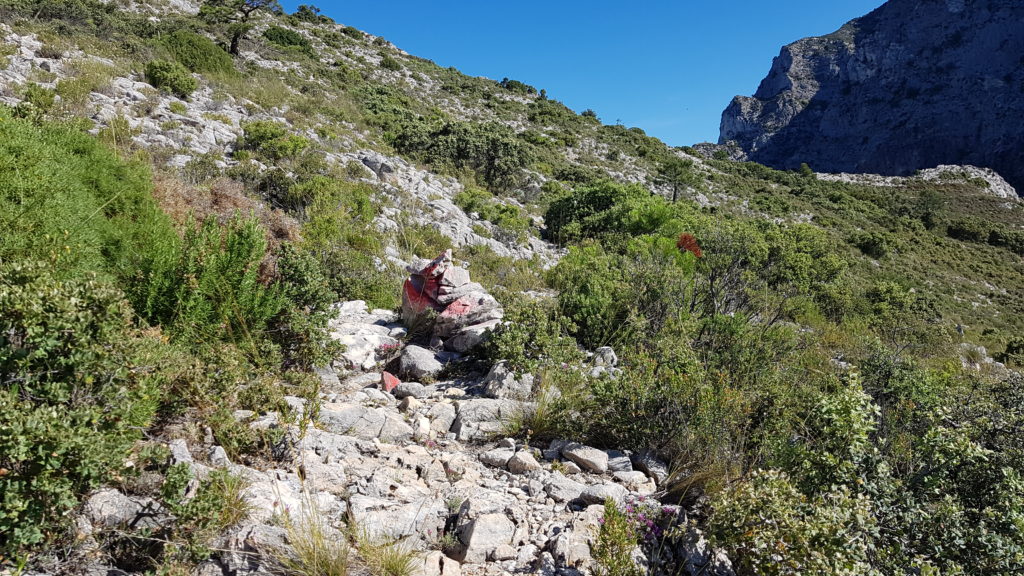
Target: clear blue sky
(668,67)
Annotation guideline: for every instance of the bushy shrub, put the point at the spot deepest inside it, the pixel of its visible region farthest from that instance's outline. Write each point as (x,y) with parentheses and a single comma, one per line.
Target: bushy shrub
(340,235)
(593,211)
(288,38)
(507,217)
(769,528)
(873,244)
(517,86)
(272,140)
(215,293)
(58,175)
(77,386)
(387,62)
(532,336)
(197,53)
(972,229)
(172,77)
(491,150)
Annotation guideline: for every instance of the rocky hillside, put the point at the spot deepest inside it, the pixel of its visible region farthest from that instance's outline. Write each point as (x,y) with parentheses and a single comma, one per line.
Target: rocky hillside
(279,298)
(909,86)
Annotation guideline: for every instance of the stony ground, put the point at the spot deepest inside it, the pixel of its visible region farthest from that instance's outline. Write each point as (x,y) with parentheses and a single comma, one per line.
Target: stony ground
(426,464)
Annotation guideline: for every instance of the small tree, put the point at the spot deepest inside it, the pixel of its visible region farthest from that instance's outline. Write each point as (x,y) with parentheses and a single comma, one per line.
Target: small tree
(677,173)
(236,16)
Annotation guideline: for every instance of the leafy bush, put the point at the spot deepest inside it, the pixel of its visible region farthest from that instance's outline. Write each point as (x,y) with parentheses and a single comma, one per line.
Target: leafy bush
(387,62)
(768,527)
(272,140)
(197,53)
(215,292)
(70,201)
(531,337)
(873,244)
(77,385)
(491,150)
(217,504)
(616,541)
(172,77)
(288,38)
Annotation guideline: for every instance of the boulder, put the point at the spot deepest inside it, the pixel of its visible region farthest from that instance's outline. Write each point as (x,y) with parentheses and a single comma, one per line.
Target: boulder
(522,463)
(563,489)
(484,535)
(478,419)
(598,493)
(464,311)
(605,356)
(498,457)
(441,416)
(411,389)
(388,381)
(590,459)
(501,382)
(651,465)
(417,362)
(363,422)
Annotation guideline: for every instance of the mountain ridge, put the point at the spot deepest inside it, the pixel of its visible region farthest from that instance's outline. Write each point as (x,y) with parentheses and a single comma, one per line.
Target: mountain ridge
(910,85)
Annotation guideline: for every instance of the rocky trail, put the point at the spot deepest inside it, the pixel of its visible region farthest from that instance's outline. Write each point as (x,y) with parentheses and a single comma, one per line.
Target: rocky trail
(420,459)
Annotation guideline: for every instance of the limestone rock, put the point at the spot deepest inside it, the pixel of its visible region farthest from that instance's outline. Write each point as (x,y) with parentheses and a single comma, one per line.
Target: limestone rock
(563,489)
(588,458)
(417,363)
(598,493)
(501,382)
(522,463)
(485,534)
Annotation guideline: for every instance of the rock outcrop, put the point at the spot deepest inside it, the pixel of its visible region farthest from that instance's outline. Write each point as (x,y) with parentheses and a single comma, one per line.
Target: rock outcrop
(465,312)
(912,85)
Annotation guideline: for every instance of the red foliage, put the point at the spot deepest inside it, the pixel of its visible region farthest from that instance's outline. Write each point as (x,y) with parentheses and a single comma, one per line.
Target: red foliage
(687,243)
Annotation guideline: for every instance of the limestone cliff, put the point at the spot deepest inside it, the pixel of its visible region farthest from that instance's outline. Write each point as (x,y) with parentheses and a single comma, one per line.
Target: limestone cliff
(913,84)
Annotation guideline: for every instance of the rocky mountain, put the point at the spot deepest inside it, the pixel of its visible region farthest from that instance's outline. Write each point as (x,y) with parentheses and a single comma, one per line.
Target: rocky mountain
(911,85)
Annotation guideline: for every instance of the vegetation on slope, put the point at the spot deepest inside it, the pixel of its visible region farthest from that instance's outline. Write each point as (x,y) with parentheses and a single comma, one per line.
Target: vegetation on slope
(790,346)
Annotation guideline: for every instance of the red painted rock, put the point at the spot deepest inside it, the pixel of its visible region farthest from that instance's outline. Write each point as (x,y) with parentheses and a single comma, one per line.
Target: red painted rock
(389,381)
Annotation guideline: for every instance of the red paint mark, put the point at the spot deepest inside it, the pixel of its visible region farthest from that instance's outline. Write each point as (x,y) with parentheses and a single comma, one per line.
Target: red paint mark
(389,381)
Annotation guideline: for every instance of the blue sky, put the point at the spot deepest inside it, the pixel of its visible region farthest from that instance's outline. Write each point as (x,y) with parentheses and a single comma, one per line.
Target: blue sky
(668,67)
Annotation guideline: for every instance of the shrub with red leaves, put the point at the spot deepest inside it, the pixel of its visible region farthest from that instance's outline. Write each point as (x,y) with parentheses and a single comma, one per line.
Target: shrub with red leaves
(687,243)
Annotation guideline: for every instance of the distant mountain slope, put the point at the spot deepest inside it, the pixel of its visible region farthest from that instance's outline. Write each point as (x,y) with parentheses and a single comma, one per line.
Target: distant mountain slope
(911,85)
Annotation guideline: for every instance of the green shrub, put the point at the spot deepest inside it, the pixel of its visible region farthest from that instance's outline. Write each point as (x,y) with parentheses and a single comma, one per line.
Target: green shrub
(172,77)
(272,140)
(768,527)
(615,543)
(533,336)
(216,505)
(873,244)
(971,229)
(288,38)
(389,63)
(214,294)
(197,53)
(36,102)
(491,150)
(70,201)
(77,387)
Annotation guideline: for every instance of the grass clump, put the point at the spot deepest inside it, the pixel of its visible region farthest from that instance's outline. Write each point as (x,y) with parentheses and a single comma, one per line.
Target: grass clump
(316,549)
(385,558)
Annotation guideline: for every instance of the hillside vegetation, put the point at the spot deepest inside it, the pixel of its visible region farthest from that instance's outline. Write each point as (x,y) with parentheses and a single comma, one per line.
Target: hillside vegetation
(809,356)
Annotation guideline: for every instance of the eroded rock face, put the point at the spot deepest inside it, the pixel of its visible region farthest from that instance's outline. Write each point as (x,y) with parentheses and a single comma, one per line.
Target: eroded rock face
(909,86)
